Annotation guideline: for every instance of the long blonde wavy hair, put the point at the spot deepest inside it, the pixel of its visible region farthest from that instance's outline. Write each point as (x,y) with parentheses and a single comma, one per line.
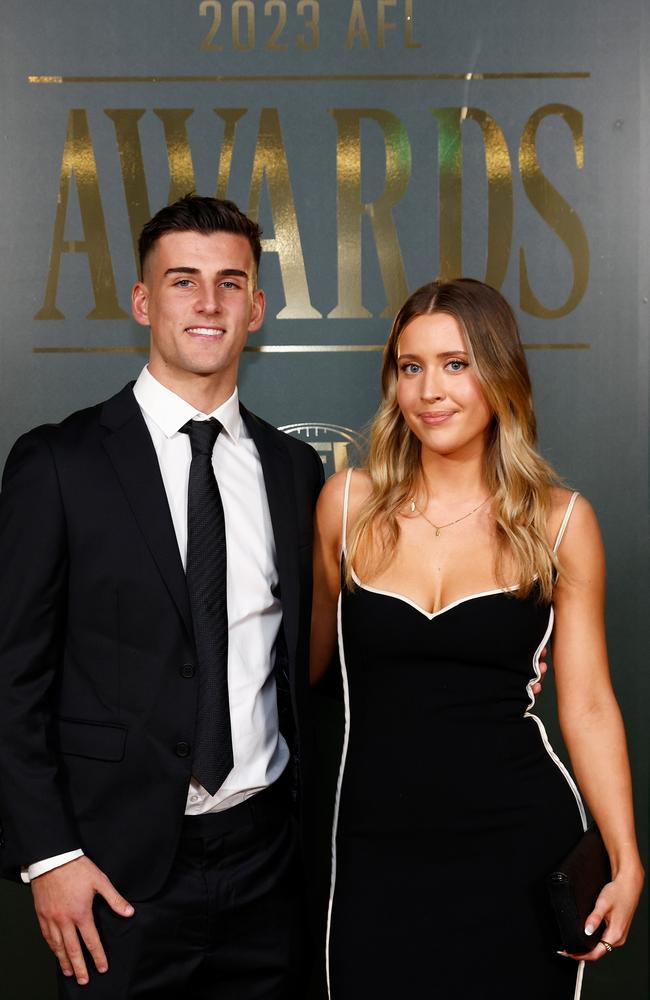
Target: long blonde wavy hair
(518,478)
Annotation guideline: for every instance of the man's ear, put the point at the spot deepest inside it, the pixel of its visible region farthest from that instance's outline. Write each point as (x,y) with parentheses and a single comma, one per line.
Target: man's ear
(257,312)
(140,303)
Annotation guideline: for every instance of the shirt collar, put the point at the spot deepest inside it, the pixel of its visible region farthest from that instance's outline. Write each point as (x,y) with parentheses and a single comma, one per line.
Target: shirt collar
(169,412)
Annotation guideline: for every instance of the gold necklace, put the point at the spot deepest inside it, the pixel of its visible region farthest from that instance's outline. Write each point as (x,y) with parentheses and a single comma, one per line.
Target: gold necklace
(416,510)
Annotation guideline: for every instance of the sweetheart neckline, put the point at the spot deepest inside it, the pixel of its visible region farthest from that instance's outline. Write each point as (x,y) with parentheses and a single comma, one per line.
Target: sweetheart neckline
(433,614)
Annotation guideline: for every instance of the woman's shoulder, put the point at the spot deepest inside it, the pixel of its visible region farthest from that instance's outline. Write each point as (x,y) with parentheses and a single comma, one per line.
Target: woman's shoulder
(355,483)
(571,517)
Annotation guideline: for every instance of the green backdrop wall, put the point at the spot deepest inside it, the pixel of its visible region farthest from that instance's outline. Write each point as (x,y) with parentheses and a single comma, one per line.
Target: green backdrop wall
(379,142)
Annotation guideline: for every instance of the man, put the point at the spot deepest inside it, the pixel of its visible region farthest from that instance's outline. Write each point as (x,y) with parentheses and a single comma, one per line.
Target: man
(154,618)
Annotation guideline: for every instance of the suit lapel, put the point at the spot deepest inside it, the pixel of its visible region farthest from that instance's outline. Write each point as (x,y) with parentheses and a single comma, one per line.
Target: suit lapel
(278,480)
(131,451)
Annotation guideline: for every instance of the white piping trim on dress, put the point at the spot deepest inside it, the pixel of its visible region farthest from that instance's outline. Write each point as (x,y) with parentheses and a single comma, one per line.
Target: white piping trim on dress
(581,972)
(346,734)
(547,743)
(346,503)
(441,611)
(565,520)
(339,784)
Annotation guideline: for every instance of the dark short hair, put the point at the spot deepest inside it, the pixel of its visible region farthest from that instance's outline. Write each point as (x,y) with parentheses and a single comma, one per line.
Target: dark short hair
(195,213)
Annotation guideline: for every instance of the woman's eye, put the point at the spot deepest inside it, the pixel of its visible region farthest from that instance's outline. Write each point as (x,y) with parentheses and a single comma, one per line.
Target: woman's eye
(455,365)
(410,368)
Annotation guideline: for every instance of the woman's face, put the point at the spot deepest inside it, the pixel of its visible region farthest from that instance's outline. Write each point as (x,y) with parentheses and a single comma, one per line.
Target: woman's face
(437,391)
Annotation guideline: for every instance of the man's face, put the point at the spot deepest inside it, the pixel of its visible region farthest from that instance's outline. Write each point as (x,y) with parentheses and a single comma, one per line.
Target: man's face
(198,296)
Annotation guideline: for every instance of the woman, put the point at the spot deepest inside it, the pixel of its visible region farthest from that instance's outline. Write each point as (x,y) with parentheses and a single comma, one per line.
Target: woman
(456,552)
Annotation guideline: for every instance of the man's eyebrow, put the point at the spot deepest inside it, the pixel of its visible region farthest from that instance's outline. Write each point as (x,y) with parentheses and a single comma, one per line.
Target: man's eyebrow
(226,272)
(233,272)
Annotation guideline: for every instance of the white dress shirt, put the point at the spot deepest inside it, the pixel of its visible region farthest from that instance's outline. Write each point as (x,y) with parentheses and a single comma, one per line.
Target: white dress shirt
(254,614)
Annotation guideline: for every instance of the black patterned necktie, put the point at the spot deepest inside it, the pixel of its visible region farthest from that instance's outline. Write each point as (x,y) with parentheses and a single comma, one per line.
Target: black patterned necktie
(206,584)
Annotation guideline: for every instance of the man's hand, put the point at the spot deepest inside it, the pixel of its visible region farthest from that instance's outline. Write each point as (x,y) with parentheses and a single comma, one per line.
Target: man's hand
(63,900)
(543,667)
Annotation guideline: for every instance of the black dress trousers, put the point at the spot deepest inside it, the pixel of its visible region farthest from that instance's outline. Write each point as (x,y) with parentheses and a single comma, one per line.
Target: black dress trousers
(227,923)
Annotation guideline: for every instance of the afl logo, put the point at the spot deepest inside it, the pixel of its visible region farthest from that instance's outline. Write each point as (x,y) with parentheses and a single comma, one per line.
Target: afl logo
(337,446)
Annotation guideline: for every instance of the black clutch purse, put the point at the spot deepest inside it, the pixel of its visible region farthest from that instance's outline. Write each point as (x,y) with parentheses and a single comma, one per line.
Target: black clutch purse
(574,888)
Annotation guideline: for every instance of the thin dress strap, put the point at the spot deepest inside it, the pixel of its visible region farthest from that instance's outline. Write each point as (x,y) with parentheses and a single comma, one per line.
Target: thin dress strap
(346,500)
(565,520)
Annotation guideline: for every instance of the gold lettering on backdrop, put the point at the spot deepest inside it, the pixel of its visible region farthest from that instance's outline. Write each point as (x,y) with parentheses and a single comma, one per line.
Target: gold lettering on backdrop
(409,26)
(179,154)
(357,26)
(338,446)
(274,43)
(230,117)
(243,41)
(79,160)
(244,20)
(179,157)
(271,162)
(382,24)
(350,209)
(500,200)
(340,449)
(555,211)
(312,41)
(337,449)
(125,121)
(208,44)
(450,191)
(271,165)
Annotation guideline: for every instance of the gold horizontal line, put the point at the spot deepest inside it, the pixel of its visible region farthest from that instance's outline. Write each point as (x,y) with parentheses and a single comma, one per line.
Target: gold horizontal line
(557,347)
(309,77)
(312,348)
(130,349)
(261,349)
(282,348)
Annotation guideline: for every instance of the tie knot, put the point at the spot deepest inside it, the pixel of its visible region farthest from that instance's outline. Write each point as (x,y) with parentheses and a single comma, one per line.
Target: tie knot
(202,434)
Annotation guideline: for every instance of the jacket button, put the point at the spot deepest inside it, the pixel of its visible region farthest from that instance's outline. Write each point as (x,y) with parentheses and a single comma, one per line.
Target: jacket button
(182,749)
(187,670)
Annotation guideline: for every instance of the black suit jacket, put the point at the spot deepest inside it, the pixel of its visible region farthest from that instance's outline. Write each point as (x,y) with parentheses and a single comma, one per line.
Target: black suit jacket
(97,714)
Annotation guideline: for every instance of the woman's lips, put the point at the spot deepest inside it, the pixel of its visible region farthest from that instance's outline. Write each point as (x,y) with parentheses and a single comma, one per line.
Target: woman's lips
(435,417)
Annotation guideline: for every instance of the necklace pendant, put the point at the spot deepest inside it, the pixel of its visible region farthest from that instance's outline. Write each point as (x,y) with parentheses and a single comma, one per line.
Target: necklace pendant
(437,532)
(412,506)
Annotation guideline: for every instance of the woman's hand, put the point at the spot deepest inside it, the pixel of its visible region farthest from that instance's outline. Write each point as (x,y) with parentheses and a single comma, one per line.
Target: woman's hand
(543,667)
(615,905)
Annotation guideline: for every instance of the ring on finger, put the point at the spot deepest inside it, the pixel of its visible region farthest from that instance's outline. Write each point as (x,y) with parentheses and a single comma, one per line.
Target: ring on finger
(608,947)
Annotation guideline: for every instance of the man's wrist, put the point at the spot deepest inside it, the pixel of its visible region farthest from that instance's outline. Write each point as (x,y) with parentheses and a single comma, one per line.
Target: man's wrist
(49,864)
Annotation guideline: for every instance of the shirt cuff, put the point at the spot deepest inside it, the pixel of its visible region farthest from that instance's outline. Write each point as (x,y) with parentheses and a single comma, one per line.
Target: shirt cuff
(41,867)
